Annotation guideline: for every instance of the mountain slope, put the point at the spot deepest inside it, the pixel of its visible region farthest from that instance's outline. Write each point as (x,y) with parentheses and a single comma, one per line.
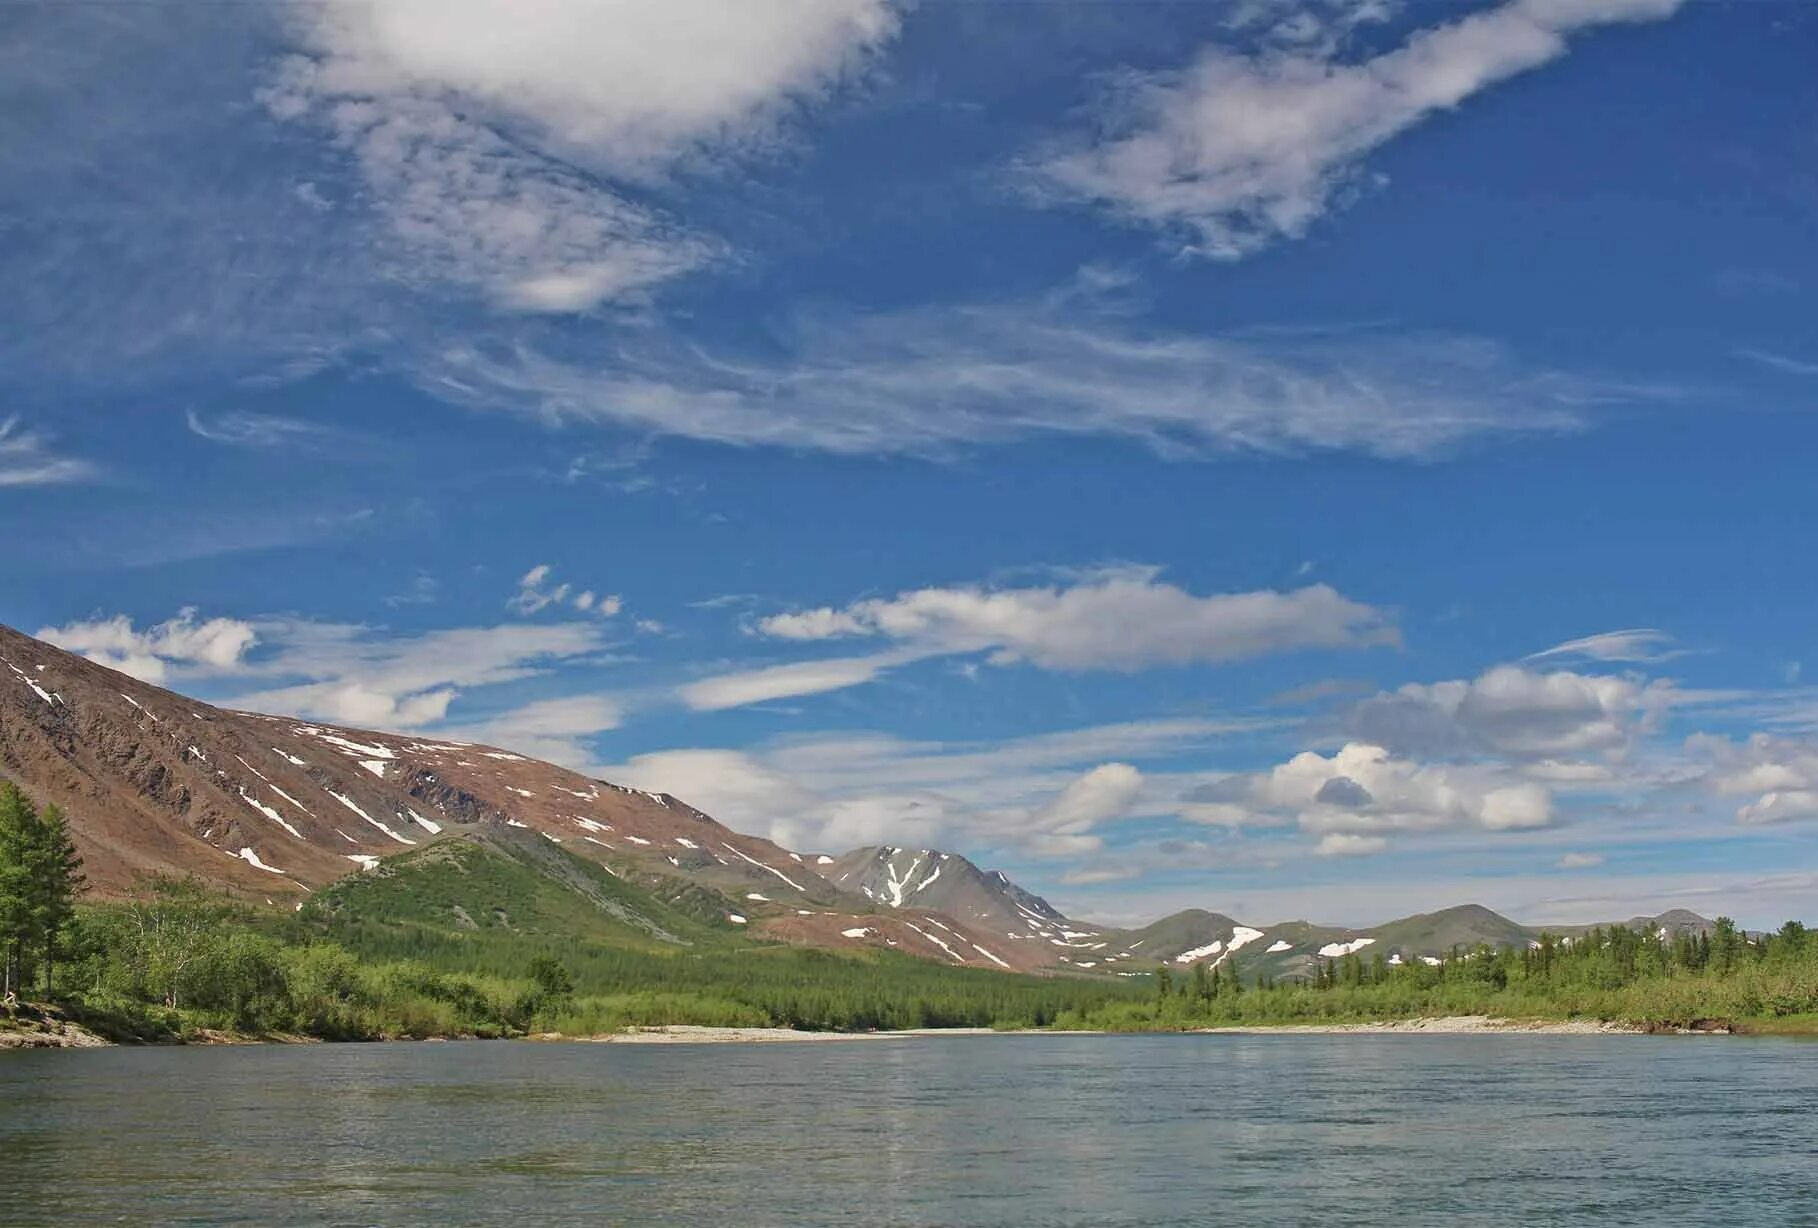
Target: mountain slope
(275,808)
(983,901)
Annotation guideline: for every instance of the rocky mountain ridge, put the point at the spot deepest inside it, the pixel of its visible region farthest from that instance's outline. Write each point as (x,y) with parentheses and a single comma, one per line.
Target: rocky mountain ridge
(276,808)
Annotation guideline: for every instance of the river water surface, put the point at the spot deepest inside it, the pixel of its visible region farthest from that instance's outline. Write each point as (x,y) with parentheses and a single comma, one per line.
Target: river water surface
(998,1130)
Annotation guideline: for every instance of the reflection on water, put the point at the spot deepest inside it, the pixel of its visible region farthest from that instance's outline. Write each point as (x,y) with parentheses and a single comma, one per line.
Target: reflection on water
(1011,1130)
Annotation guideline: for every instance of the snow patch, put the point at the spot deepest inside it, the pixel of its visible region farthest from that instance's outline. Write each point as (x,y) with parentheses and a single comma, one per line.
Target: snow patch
(1278,946)
(735,918)
(354,806)
(269,813)
(857,932)
(1187,957)
(767,869)
(375,766)
(252,859)
(1332,950)
(434,829)
(367,860)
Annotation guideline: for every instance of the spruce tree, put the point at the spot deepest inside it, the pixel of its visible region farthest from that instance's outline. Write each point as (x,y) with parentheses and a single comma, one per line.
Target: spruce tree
(55,872)
(18,827)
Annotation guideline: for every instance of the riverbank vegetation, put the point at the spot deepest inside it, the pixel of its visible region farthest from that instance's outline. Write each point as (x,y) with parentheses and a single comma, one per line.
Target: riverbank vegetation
(1766,982)
(183,963)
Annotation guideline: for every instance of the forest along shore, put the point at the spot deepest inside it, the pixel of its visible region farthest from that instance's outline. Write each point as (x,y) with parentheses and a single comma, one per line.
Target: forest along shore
(47,1032)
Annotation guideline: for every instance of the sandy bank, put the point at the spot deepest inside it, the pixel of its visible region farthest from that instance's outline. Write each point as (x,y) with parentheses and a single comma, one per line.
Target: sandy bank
(1449,1025)
(686,1034)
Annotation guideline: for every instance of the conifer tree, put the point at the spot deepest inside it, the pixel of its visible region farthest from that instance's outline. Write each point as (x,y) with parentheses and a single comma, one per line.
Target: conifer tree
(18,823)
(55,873)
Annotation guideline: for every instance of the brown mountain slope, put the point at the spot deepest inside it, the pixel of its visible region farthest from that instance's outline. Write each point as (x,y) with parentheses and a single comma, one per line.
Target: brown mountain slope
(273,807)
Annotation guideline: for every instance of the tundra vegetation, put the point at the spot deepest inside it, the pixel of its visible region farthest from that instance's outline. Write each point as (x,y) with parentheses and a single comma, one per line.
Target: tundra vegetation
(461,939)
(1762,982)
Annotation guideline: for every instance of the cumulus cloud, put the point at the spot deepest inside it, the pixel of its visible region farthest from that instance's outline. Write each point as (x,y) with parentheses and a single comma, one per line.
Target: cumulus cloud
(1064,826)
(1366,792)
(1778,775)
(1510,710)
(26,459)
(1044,795)
(536,593)
(1239,152)
(1345,844)
(1639,644)
(184,642)
(928,380)
(487,130)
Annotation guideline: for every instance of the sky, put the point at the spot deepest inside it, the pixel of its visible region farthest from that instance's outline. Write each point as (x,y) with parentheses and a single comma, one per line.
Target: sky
(1297,458)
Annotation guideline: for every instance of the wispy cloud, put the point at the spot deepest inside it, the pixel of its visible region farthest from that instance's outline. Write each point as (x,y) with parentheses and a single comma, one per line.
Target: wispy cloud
(1239,152)
(490,133)
(1637,644)
(242,429)
(927,381)
(1124,619)
(27,459)
(1779,362)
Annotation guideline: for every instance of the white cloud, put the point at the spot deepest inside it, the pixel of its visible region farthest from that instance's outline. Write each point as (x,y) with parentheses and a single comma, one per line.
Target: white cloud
(785,681)
(1064,826)
(1240,152)
(1046,795)
(213,645)
(553,730)
(1638,644)
(1779,774)
(536,594)
(1122,619)
(925,381)
(1344,844)
(1579,861)
(1363,790)
(1514,711)
(242,429)
(368,677)
(483,127)
(1780,362)
(26,459)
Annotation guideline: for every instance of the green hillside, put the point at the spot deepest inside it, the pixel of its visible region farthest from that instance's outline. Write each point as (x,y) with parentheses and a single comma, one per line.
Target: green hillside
(483,885)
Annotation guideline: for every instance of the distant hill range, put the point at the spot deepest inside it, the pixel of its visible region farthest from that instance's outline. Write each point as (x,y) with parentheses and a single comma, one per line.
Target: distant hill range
(275,808)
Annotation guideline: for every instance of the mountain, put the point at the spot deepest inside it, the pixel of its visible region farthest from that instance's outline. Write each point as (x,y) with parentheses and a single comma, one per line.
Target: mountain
(276,808)
(950,884)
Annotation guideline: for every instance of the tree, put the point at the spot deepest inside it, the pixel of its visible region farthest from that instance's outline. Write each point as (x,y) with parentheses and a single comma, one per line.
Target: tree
(18,837)
(55,872)
(551,977)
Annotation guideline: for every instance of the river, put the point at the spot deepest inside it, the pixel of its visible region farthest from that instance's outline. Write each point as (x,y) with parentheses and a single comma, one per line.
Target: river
(976,1130)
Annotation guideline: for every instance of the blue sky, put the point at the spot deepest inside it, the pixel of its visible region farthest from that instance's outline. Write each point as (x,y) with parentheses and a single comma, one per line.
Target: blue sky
(1150,448)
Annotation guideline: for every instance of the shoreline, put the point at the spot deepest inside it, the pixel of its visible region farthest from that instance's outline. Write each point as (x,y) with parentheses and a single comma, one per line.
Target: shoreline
(1454,1025)
(66,1034)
